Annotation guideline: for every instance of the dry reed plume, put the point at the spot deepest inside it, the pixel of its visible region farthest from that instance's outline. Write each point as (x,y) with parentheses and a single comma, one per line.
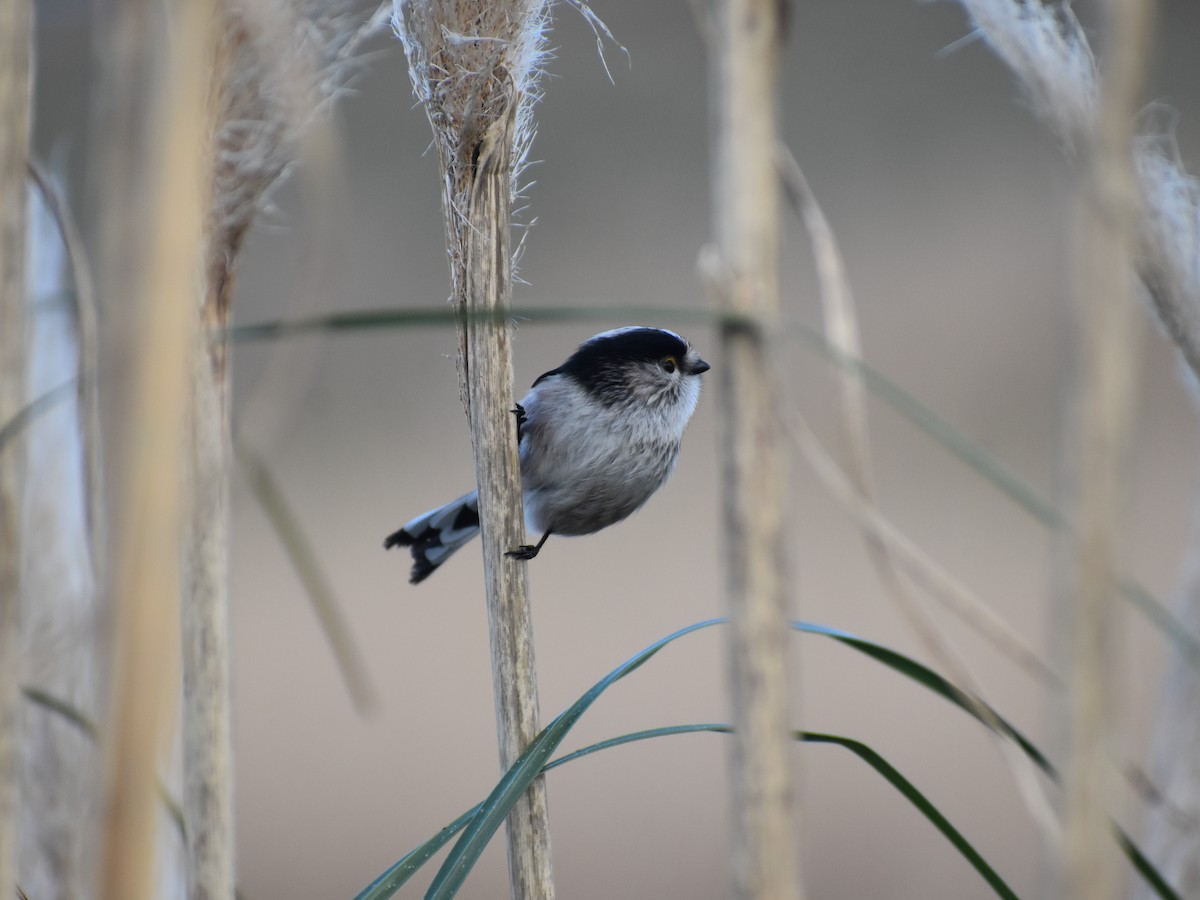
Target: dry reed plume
(1049,52)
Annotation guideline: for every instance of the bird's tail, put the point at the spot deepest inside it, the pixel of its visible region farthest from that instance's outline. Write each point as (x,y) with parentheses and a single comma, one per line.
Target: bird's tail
(436,534)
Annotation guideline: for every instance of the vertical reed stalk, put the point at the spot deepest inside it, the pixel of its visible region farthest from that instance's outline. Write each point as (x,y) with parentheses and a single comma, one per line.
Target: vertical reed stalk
(207,714)
(204,614)
(168,220)
(1111,327)
(747,36)
(15,98)
(473,65)
(489,374)
(278,63)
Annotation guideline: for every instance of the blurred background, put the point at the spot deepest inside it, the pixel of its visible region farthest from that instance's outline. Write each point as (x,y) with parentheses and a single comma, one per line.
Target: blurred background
(953,209)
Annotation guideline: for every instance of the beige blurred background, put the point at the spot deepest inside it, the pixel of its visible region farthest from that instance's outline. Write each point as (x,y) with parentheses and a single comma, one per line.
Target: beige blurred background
(952,205)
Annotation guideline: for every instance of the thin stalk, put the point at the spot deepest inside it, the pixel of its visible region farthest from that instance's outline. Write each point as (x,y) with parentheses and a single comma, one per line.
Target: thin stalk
(488,361)
(746,35)
(204,623)
(275,66)
(15,74)
(306,563)
(1111,326)
(477,94)
(206,665)
(167,220)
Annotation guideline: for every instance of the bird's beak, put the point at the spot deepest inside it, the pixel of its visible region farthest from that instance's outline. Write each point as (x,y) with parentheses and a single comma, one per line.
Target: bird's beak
(700,367)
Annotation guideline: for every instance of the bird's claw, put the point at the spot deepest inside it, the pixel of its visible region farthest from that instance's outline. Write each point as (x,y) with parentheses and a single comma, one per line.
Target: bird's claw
(525,551)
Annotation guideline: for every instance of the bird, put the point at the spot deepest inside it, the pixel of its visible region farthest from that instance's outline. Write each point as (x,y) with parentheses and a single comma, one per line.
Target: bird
(596,438)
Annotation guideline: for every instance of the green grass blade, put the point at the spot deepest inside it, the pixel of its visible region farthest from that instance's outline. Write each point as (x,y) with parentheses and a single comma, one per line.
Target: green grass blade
(482,822)
(930,680)
(63,709)
(72,714)
(485,819)
(921,802)
(424,317)
(30,412)
(1145,868)
(308,569)
(966,450)
(986,465)
(395,877)
(529,764)
(1163,619)
(864,752)
(635,736)
(391,880)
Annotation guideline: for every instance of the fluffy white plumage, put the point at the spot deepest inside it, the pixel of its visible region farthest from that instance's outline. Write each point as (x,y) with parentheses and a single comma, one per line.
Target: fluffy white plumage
(598,436)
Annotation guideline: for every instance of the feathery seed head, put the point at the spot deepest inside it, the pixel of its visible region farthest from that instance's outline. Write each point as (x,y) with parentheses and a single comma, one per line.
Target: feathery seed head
(281,62)
(1046,45)
(471,62)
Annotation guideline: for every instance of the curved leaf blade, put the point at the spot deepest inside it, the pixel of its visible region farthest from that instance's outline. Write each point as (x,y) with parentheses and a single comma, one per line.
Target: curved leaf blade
(480,830)
(391,880)
(910,793)
(929,679)
(398,874)
(495,808)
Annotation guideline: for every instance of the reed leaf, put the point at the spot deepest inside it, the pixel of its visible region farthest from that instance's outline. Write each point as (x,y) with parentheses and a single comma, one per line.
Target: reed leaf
(481,822)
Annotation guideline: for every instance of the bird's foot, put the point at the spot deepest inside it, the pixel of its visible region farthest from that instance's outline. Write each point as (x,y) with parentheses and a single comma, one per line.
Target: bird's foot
(525,551)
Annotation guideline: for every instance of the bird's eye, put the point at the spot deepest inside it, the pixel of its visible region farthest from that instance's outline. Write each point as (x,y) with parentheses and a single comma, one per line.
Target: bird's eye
(669,364)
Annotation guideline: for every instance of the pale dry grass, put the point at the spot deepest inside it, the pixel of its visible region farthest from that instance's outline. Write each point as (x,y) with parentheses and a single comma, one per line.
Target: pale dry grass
(742,266)
(1141,214)
(277,66)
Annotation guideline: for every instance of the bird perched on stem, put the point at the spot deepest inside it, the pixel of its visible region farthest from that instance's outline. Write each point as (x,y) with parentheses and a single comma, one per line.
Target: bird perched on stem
(597,436)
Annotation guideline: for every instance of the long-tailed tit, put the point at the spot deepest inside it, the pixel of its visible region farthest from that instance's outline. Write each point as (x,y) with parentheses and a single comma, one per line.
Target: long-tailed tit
(598,435)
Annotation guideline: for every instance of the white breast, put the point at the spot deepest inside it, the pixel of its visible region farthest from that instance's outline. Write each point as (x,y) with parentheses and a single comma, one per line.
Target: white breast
(585,465)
